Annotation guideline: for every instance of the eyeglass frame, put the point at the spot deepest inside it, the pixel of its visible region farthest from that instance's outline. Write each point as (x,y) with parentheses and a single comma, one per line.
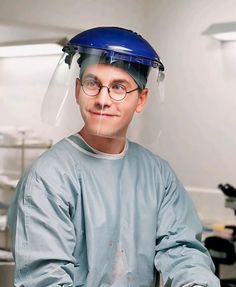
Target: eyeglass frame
(108,89)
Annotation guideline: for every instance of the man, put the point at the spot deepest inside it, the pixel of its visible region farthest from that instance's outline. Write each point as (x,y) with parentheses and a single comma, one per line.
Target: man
(97,209)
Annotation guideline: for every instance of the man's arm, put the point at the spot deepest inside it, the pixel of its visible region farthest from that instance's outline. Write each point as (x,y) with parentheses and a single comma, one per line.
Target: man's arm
(43,236)
(181,257)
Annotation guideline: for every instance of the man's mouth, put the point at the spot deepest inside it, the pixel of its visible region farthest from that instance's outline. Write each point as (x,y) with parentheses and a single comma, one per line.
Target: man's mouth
(102,114)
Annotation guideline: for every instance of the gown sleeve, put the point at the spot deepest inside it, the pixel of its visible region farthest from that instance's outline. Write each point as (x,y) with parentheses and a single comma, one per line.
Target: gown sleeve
(42,232)
(181,258)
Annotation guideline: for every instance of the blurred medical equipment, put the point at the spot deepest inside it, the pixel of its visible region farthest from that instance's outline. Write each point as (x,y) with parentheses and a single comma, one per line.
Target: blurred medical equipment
(18,147)
(230,193)
(20,139)
(222,250)
(228,190)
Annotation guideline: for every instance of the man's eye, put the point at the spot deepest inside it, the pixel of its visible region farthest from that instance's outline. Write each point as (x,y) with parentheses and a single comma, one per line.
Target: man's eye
(118,88)
(90,84)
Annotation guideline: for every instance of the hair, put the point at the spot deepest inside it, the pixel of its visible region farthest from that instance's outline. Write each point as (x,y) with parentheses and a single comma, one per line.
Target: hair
(137,71)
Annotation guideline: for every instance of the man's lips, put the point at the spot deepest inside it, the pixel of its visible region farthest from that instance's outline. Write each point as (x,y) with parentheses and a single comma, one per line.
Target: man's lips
(102,114)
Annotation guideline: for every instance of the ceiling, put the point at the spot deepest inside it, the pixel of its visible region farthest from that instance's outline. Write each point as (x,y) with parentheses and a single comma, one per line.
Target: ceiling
(17,33)
(26,20)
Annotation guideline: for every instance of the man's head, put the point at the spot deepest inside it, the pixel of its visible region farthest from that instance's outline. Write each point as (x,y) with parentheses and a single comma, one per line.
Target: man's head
(109,54)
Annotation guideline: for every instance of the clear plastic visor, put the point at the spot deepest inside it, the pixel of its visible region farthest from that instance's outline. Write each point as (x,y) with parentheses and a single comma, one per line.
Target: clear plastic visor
(105,97)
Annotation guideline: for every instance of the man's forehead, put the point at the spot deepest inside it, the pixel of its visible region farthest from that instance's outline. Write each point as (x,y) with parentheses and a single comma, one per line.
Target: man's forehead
(107,72)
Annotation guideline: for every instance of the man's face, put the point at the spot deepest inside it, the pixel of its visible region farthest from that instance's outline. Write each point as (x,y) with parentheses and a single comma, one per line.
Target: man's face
(101,114)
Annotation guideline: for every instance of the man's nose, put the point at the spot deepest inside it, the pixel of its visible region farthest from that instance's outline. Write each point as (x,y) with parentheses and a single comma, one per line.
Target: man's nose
(103,98)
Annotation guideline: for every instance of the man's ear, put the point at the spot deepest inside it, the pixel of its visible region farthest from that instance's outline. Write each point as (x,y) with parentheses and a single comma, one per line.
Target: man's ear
(142,100)
(77,90)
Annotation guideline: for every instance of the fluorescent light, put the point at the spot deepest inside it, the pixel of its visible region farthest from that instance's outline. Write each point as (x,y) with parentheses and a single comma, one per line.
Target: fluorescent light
(230,36)
(222,31)
(30,49)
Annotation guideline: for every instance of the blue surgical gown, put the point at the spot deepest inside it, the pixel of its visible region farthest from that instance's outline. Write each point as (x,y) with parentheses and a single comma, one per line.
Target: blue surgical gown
(84,218)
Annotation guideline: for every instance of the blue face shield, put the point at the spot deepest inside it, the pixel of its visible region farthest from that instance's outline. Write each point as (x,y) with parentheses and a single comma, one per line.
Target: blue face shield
(117,64)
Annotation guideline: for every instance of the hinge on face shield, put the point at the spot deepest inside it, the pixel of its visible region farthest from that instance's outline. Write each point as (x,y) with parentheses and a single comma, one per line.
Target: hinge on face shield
(70,50)
(161,76)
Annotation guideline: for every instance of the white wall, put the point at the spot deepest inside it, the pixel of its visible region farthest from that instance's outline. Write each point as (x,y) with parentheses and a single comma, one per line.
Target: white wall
(198,135)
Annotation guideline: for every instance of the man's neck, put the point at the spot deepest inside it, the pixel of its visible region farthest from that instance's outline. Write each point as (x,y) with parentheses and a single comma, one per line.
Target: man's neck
(103,144)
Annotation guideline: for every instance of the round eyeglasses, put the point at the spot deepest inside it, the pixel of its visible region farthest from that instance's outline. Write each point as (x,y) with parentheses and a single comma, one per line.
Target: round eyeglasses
(116,91)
